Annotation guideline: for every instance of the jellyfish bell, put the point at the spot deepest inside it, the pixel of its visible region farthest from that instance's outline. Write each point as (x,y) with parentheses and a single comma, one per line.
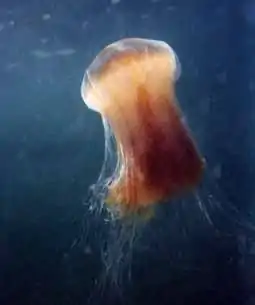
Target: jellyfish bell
(122,52)
(131,83)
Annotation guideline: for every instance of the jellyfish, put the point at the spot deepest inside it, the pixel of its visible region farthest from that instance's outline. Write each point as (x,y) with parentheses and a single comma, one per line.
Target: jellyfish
(151,156)
(131,84)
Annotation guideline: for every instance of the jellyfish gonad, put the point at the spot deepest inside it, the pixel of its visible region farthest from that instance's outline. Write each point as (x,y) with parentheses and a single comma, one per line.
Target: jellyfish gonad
(131,83)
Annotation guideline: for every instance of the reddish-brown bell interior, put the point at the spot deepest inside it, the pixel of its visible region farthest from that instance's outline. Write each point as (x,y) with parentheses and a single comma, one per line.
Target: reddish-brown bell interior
(135,92)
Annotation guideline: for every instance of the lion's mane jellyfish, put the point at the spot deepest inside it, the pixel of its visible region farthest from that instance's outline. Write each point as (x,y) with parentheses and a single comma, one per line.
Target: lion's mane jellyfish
(150,154)
(131,83)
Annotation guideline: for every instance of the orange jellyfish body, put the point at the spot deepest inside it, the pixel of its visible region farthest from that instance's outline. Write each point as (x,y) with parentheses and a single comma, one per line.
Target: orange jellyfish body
(131,83)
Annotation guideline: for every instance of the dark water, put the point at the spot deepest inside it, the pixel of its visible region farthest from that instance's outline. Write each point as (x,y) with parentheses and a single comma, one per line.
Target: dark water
(51,149)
